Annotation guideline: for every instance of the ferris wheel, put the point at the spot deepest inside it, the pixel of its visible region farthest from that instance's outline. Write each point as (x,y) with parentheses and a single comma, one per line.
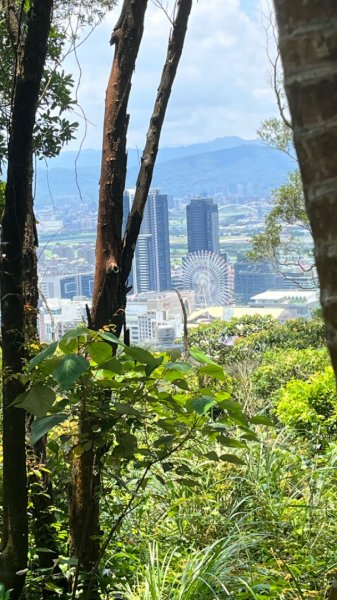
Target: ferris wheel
(209,275)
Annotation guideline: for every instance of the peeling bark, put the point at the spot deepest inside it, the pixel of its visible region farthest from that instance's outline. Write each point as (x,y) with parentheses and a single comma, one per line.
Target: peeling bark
(109,295)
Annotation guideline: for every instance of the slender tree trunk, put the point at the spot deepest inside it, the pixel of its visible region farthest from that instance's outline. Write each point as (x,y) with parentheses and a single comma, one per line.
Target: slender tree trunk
(308,45)
(18,190)
(175,47)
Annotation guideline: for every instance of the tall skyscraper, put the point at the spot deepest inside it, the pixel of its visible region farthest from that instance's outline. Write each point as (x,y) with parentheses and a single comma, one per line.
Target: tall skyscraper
(202,225)
(151,266)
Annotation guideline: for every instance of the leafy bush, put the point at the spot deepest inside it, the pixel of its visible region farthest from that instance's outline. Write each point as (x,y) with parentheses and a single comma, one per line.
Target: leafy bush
(309,405)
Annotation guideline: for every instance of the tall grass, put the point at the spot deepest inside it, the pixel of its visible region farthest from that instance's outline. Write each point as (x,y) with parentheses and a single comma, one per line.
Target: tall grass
(209,574)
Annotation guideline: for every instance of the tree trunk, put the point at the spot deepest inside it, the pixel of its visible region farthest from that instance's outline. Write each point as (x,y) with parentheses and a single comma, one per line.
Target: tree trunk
(109,295)
(17,194)
(113,264)
(308,45)
(175,47)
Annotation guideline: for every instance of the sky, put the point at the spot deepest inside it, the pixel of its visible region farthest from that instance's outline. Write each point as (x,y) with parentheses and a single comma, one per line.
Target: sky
(222,87)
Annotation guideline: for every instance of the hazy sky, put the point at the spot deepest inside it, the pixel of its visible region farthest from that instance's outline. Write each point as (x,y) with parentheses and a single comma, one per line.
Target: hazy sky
(221,87)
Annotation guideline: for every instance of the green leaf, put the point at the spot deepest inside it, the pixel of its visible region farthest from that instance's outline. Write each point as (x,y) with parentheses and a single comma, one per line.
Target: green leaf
(175,354)
(212,455)
(213,371)
(70,341)
(232,458)
(181,383)
(164,440)
(178,366)
(140,354)
(41,356)
(262,420)
(200,405)
(126,409)
(41,426)
(230,442)
(106,335)
(69,346)
(38,400)
(201,357)
(113,366)
(187,482)
(127,444)
(234,410)
(69,369)
(99,352)
(156,363)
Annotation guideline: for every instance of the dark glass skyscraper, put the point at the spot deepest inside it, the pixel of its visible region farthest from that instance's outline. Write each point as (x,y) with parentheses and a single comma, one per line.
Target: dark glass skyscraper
(151,266)
(202,225)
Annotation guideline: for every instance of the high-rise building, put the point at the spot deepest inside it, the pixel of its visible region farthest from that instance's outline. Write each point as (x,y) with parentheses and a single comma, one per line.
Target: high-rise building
(253,278)
(202,225)
(151,269)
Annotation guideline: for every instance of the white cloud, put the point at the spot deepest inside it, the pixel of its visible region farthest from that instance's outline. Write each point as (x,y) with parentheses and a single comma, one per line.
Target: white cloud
(221,86)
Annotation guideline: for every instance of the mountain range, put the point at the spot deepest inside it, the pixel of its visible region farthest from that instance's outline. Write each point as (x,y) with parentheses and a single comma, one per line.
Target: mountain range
(218,166)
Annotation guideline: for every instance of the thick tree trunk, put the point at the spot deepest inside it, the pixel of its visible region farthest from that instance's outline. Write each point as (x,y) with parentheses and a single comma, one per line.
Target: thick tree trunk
(18,191)
(308,44)
(109,295)
(113,264)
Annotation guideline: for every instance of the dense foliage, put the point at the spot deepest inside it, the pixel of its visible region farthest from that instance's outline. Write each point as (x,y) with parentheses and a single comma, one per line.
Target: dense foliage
(198,500)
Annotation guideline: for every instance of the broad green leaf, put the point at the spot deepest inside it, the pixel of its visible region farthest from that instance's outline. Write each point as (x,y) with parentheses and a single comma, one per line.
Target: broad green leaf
(251,437)
(181,383)
(69,369)
(156,363)
(110,337)
(232,458)
(38,400)
(99,352)
(70,341)
(262,420)
(178,366)
(230,442)
(113,365)
(164,440)
(127,444)
(41,356)
(69,346)
(212,455)
(126,409)
(175,354)
(200,405)
(41,426)
(187,482)
(140,354)
(234,410)
(75,334)
(201,357)
(213,371)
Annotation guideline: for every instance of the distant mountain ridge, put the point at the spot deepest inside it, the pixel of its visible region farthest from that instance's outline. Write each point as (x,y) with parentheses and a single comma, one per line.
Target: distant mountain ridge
(212,167)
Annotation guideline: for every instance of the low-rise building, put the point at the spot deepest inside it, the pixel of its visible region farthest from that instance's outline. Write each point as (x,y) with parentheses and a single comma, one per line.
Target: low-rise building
(295,303)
